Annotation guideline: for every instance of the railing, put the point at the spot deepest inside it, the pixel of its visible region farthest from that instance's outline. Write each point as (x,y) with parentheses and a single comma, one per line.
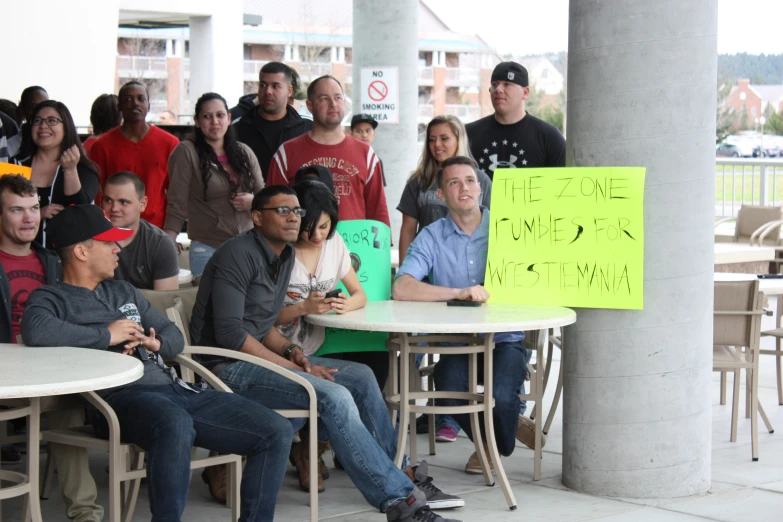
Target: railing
(141,63)
(254,66)
(747,181)
(425,74)
(466,113)
(460,74)
(311,71)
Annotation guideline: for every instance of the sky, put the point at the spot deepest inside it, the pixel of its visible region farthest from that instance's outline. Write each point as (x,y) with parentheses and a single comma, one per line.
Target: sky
(751,26)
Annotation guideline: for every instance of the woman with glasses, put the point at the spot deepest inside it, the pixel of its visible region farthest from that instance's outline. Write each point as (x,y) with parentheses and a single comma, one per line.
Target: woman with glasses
(62,173)
(213,178)
(322,262)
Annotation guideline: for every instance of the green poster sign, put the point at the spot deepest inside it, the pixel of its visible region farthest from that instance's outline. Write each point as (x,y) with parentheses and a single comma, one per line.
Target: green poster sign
(369,243)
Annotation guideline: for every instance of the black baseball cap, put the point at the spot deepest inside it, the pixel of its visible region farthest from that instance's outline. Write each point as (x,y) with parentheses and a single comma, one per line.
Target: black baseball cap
(363,118)
(510,72)
(323,173)
(79,223)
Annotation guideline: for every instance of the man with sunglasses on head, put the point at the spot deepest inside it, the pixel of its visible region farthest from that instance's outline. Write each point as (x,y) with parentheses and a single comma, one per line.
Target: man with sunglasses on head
(239,299)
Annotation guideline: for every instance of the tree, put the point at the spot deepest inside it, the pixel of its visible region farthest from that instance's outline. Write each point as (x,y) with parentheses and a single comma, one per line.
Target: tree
(725,114)
(774,123)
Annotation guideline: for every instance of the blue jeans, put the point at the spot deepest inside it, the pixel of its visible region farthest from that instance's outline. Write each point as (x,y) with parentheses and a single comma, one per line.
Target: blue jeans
(509,371)
(198,256)
(352,412)
(167,420)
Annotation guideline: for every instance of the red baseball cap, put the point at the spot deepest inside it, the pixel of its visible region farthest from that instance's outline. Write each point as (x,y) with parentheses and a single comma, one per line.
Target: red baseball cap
(79,223)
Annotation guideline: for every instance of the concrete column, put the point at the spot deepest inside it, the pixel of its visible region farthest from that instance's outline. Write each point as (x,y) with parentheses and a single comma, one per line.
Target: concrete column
(216,53)
(637,405)
(341,54)
(333,54)
(386,34)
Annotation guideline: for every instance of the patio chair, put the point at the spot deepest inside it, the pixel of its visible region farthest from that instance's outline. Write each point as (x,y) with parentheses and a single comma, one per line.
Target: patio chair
(736,334)
(752,221)
(175,314)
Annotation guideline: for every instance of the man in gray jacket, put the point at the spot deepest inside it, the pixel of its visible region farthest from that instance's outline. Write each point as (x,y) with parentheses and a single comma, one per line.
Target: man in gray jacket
(160,413)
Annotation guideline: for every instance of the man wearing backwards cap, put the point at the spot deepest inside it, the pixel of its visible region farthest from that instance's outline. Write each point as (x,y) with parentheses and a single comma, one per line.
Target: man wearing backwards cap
(512,138)
(159,412)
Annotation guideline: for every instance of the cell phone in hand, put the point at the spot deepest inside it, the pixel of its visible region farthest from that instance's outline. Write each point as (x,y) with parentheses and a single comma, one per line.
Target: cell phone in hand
(460,302)
(333,293)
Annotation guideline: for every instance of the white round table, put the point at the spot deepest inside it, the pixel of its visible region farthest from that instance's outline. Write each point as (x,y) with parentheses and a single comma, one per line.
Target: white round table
(33,373)
(185,276)
(438,320)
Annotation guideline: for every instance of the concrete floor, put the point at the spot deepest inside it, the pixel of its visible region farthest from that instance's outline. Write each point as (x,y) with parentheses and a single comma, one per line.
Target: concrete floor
(741,489)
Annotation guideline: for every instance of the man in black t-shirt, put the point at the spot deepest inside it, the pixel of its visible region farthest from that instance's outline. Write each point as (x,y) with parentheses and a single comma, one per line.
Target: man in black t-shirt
(512,138)
(148,259)
(265,127)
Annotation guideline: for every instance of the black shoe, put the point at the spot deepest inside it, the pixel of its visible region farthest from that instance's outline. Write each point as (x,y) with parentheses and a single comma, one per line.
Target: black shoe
(10,455)
(436,499)
(414,509)
(422,424)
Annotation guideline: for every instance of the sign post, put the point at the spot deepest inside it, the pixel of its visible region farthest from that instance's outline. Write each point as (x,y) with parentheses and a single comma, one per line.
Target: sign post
(380,94)
(567,237)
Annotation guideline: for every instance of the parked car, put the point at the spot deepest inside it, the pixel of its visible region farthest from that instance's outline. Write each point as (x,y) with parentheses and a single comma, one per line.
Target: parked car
(728,150)
(770,150)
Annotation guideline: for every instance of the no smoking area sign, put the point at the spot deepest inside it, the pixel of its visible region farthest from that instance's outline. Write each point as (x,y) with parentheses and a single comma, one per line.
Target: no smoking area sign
(380,90)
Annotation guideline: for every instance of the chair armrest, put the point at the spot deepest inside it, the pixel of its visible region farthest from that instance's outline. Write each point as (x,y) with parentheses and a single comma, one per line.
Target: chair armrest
(200,370)
(107,411)
(760,233)
(724,220)
(240,356)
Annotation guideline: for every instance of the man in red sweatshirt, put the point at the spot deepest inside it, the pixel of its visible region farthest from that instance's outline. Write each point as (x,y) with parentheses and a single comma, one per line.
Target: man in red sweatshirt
(357,172)
(137,147)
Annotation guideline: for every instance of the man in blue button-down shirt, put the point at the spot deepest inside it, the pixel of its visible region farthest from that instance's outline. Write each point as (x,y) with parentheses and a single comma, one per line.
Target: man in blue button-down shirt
(452,253)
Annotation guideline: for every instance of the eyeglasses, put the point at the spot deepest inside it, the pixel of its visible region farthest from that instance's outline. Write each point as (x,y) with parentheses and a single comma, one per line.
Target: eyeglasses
(286,211)
(50,121)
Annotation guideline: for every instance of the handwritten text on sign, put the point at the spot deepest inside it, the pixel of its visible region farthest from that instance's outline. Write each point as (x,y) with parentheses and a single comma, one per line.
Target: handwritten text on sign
(567,237)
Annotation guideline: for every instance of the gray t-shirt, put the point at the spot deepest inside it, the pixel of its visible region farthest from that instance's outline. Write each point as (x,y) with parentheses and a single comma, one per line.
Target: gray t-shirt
(149,257)
(424,205)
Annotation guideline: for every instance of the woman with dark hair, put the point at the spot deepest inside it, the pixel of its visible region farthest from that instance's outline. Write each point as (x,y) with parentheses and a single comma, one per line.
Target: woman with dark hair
(322,261)
(104,116)
(62,173)
(213,178)
(31,97)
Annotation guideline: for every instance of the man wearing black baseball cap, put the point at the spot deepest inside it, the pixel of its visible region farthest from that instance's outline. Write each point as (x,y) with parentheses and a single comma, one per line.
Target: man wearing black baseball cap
(363,128)
(159,413)
(512,138)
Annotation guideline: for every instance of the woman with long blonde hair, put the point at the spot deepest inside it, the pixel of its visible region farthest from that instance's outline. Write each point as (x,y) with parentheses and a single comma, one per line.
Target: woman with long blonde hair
(419,204)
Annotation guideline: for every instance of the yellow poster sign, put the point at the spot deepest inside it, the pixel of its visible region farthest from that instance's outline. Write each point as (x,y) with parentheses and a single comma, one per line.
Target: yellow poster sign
(567,237)
(10,168)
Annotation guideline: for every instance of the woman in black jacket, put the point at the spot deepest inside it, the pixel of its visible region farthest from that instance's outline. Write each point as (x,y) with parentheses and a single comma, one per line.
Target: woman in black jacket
(62,173)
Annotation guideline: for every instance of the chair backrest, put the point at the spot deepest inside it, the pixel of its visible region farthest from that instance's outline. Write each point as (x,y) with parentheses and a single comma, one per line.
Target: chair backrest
(751,217)
(183,299)
(738,312)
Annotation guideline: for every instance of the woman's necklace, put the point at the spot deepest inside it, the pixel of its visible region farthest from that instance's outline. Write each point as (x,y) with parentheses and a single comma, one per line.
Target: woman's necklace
(310,262)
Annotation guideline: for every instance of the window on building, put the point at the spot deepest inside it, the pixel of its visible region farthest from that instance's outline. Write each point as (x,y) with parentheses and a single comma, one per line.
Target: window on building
(753,111)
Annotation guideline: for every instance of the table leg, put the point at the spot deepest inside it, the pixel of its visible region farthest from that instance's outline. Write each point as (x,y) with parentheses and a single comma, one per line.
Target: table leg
(412,418)
(33,458)
(392,381)
(402,428)
(475,425)
(778,315)
(489,424)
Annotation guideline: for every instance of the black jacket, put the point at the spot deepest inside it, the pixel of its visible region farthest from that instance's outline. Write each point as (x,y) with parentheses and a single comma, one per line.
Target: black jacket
(250,130)
(54,273)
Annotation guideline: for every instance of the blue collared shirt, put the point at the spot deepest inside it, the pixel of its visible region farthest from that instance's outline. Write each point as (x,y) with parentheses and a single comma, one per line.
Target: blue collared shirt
(451,258)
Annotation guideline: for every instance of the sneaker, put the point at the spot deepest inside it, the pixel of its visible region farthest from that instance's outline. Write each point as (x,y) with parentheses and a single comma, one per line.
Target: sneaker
(473,467)
(414,509)
(526,433)
(10,455)
(446,434)
(422,424)
(436,499)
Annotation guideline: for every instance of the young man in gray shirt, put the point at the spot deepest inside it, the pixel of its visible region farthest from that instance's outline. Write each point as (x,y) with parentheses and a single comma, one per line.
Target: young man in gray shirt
(148,259)
(159,412)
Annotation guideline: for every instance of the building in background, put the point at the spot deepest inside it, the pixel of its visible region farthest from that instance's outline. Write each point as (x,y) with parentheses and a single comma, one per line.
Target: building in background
(750,102)
(315,38)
